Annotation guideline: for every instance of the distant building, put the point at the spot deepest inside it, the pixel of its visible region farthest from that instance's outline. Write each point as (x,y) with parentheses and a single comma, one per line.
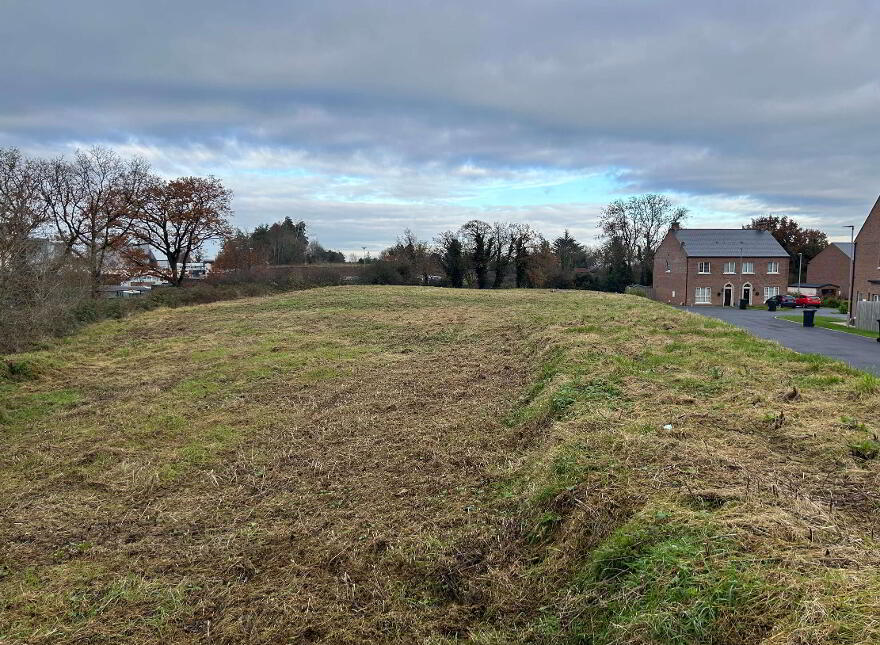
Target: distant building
(832,266)
(193,270)
(866,275)
(118,291)
(143,281)
(719,267)
(817,289)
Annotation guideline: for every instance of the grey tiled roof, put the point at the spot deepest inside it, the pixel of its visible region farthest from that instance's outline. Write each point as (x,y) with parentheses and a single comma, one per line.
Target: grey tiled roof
(729,243)
(846,247)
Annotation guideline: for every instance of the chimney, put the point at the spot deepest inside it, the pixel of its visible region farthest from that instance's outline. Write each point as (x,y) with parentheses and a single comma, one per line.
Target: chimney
(675,226)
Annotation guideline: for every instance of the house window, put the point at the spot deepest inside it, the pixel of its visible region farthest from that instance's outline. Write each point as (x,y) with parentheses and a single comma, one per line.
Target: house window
(770,292)
(673,293)
(668,270)
(703,295)
(773,267)
(748,267)
(730,267)
(875,297)
(704,268)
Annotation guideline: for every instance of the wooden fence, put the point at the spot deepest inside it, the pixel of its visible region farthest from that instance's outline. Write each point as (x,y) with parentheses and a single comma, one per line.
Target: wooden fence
(640,290)
(867,314)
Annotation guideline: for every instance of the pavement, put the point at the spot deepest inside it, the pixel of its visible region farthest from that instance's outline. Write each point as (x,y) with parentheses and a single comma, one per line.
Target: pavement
(858,351)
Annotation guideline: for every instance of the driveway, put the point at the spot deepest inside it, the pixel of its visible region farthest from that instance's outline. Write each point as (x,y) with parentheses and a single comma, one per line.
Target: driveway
(858,351)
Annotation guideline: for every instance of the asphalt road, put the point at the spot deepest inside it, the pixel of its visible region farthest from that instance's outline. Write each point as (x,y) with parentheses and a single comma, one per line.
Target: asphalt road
(858,351)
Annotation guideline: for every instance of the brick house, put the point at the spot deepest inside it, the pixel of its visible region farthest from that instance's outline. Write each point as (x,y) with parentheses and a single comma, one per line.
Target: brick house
(866,273)
(831,266)
(706,266)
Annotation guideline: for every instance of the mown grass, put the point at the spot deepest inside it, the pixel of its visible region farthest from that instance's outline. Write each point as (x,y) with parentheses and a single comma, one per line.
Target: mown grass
(426,465)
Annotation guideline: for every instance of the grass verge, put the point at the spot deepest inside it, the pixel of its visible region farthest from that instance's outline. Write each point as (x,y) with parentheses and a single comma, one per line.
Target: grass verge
(828,322)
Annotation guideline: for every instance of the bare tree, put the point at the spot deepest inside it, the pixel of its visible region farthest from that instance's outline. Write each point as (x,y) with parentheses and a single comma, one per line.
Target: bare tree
(638,225)
(240,255)
(35,297)
(416,253)
(94,201)
(23,212)
(177,219)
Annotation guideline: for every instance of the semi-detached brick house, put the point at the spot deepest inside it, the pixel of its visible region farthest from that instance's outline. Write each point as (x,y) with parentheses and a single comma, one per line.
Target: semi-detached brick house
(716,266)
(832,266)
(866,278)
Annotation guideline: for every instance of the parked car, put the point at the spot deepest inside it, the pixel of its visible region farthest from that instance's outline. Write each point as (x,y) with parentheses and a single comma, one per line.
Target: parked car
(782,300)
(808,301)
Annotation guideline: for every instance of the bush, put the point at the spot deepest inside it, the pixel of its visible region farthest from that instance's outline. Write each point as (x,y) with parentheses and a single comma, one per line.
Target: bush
(66,313)
(843,307)
(831,301)
(383,272)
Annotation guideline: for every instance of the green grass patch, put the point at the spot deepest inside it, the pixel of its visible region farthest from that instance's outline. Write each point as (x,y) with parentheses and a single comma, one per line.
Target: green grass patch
(670,576)
(593,391)
(827,322)
(22,408)
(867,385)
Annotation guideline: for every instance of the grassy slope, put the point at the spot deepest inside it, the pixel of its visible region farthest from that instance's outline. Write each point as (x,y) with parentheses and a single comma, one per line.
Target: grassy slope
(403,464)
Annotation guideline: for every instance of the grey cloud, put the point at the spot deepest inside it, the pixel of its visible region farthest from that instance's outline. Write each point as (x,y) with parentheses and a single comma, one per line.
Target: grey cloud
(777,101)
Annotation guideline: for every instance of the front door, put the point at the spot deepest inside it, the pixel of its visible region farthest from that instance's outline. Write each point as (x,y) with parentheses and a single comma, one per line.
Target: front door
(728,296)
(747,293)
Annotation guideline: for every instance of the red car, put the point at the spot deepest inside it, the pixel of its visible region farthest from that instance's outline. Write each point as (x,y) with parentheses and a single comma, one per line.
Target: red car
(807,301)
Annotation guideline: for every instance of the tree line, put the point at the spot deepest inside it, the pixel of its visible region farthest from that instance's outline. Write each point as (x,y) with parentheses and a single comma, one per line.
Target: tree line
(70,225)
(279,244)
(486,255)
(103,214)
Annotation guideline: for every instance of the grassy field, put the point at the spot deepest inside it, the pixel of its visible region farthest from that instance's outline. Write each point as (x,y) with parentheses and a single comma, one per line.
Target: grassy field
(829,322)
(402,464)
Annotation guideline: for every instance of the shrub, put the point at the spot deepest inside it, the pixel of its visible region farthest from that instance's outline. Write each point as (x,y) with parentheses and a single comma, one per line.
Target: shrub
(384,272)
(843,307)
(831,301)
(63,314)
(17,370)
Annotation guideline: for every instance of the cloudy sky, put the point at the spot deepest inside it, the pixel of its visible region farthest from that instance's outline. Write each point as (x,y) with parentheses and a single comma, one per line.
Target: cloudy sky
(364,118)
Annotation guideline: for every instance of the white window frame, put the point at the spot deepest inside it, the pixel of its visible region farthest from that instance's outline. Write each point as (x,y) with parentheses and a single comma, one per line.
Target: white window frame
(769,292)
(668,268)
(732,266)
(750,265)
(698,296)
(708,268)
(773,267)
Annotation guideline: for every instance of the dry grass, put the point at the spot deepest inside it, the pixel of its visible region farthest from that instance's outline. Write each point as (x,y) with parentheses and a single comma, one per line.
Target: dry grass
(425,465)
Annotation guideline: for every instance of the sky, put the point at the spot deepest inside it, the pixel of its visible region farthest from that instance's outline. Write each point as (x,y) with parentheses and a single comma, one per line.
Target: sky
(366,118)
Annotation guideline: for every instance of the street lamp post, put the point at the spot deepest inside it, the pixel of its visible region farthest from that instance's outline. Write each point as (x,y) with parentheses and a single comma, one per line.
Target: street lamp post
(800,268)
(852,262)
